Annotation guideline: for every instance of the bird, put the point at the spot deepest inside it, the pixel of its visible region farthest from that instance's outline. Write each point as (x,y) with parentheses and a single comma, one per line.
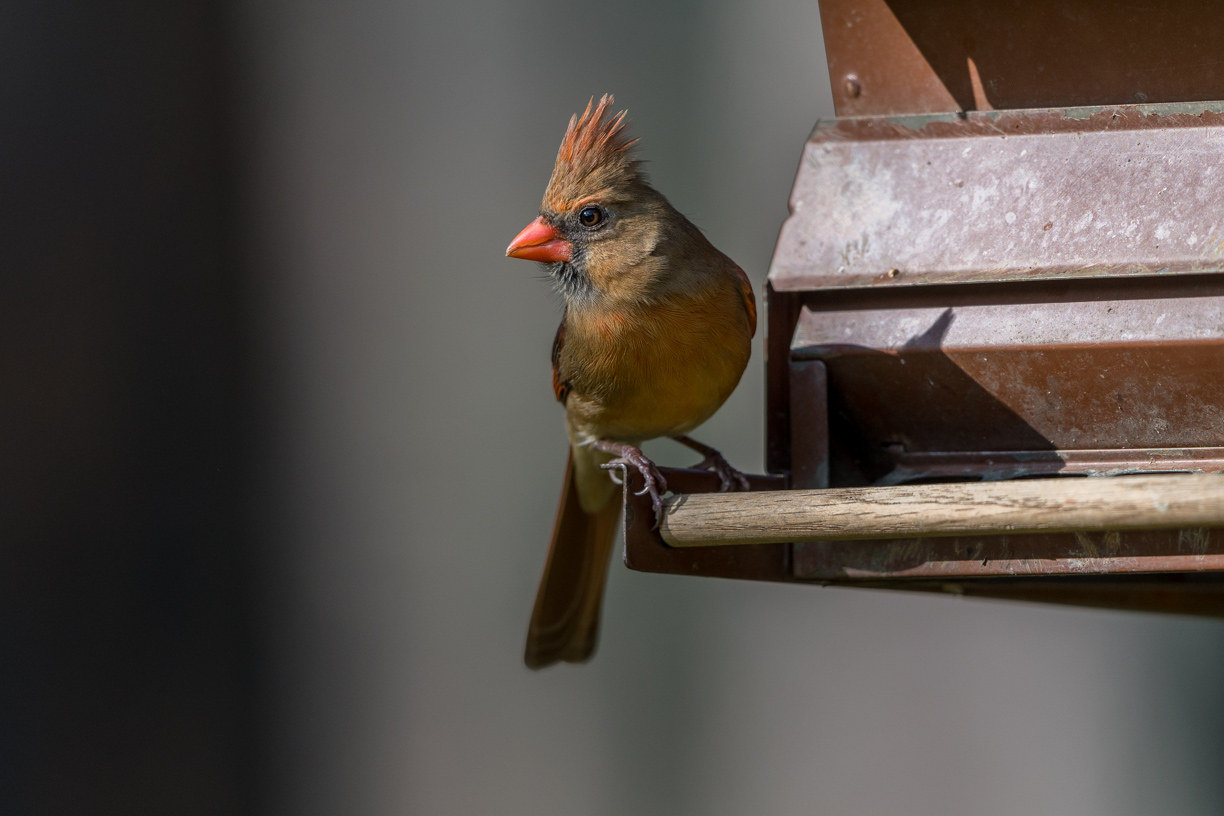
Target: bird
(656,332)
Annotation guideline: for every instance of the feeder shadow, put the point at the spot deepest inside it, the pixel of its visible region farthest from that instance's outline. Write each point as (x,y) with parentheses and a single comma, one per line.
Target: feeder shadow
(1056,54)
(918,399)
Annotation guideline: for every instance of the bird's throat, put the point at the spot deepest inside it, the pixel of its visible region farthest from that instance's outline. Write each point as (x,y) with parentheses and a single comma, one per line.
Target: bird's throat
(573,284)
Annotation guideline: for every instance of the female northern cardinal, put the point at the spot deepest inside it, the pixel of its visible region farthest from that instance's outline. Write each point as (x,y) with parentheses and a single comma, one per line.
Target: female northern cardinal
(657,330)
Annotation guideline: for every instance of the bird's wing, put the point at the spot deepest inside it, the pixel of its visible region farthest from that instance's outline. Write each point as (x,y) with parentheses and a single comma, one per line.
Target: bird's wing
(749,299)
(560,387)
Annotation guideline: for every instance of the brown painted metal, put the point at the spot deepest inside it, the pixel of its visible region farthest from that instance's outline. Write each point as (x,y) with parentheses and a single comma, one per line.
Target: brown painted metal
(999,293)
(922,56)
(781,315)
(782,319)
(979,364)
(809,400)
(988,466)
(645,550)
(1130,374)
(1174,593)
(1019,195)
(1193,550)
(1063,383)
(875,66)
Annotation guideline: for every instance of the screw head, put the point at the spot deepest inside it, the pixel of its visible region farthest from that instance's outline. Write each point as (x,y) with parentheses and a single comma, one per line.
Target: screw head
(854,88)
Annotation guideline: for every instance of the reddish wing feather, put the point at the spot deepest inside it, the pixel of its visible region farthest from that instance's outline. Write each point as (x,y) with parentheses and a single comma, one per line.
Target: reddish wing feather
(749,299)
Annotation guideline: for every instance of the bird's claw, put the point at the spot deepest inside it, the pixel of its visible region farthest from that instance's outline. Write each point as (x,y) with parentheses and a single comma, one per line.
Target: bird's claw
(655,484)
(729,477)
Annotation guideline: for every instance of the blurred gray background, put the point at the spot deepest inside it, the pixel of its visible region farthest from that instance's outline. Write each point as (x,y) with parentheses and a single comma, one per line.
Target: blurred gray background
(281,455)
(397,149)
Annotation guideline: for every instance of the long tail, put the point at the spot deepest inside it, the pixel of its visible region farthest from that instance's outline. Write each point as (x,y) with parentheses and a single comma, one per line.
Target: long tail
(565,622)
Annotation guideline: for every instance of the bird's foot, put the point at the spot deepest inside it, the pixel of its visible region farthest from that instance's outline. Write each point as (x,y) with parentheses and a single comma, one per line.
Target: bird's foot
(629,456)
(729,477)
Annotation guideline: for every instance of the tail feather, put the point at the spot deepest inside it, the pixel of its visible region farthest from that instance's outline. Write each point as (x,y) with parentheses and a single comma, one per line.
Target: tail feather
(565,621)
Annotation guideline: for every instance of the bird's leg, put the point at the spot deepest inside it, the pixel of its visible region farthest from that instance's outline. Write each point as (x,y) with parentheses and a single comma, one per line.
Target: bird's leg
(629,456)
(729,476)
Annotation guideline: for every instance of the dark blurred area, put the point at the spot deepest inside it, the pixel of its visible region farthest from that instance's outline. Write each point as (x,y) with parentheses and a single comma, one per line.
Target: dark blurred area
(125,636)
(280,452)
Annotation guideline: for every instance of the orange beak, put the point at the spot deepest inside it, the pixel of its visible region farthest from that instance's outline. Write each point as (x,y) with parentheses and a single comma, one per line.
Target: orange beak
(539,242)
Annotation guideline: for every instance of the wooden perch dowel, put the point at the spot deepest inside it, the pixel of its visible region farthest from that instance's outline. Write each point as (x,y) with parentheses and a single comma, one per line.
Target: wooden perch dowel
(1026,506)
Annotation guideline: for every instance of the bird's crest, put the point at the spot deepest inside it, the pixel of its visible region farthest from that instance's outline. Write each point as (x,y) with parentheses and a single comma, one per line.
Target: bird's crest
(595,153)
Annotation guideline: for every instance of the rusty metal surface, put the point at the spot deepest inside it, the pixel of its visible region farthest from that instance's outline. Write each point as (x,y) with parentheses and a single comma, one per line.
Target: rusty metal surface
(874,65)
(1171,593)
(781,315)
(989,466)
(1192,550)
(809,391)
(1009,293)
(1005,196)
(646,552)
(1133,374)
(919,56)
(1060,386)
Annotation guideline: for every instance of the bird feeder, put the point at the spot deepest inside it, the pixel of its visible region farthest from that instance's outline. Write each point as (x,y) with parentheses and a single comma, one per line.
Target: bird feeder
(994,318)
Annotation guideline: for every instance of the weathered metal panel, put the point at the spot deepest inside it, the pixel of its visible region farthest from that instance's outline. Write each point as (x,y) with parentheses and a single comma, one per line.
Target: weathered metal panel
(1106,552)
(917,56)
(809,396)
(990,466)
(1022,195)
(645,551)
(999,294)
(1107,374)
(781,313)
(875,67)
(1000,381)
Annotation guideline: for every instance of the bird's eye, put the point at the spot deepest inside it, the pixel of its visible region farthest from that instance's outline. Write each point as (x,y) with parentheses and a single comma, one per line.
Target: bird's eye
(591,217)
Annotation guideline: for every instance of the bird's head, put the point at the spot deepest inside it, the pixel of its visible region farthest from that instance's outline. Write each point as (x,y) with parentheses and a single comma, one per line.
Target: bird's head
(600,220)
